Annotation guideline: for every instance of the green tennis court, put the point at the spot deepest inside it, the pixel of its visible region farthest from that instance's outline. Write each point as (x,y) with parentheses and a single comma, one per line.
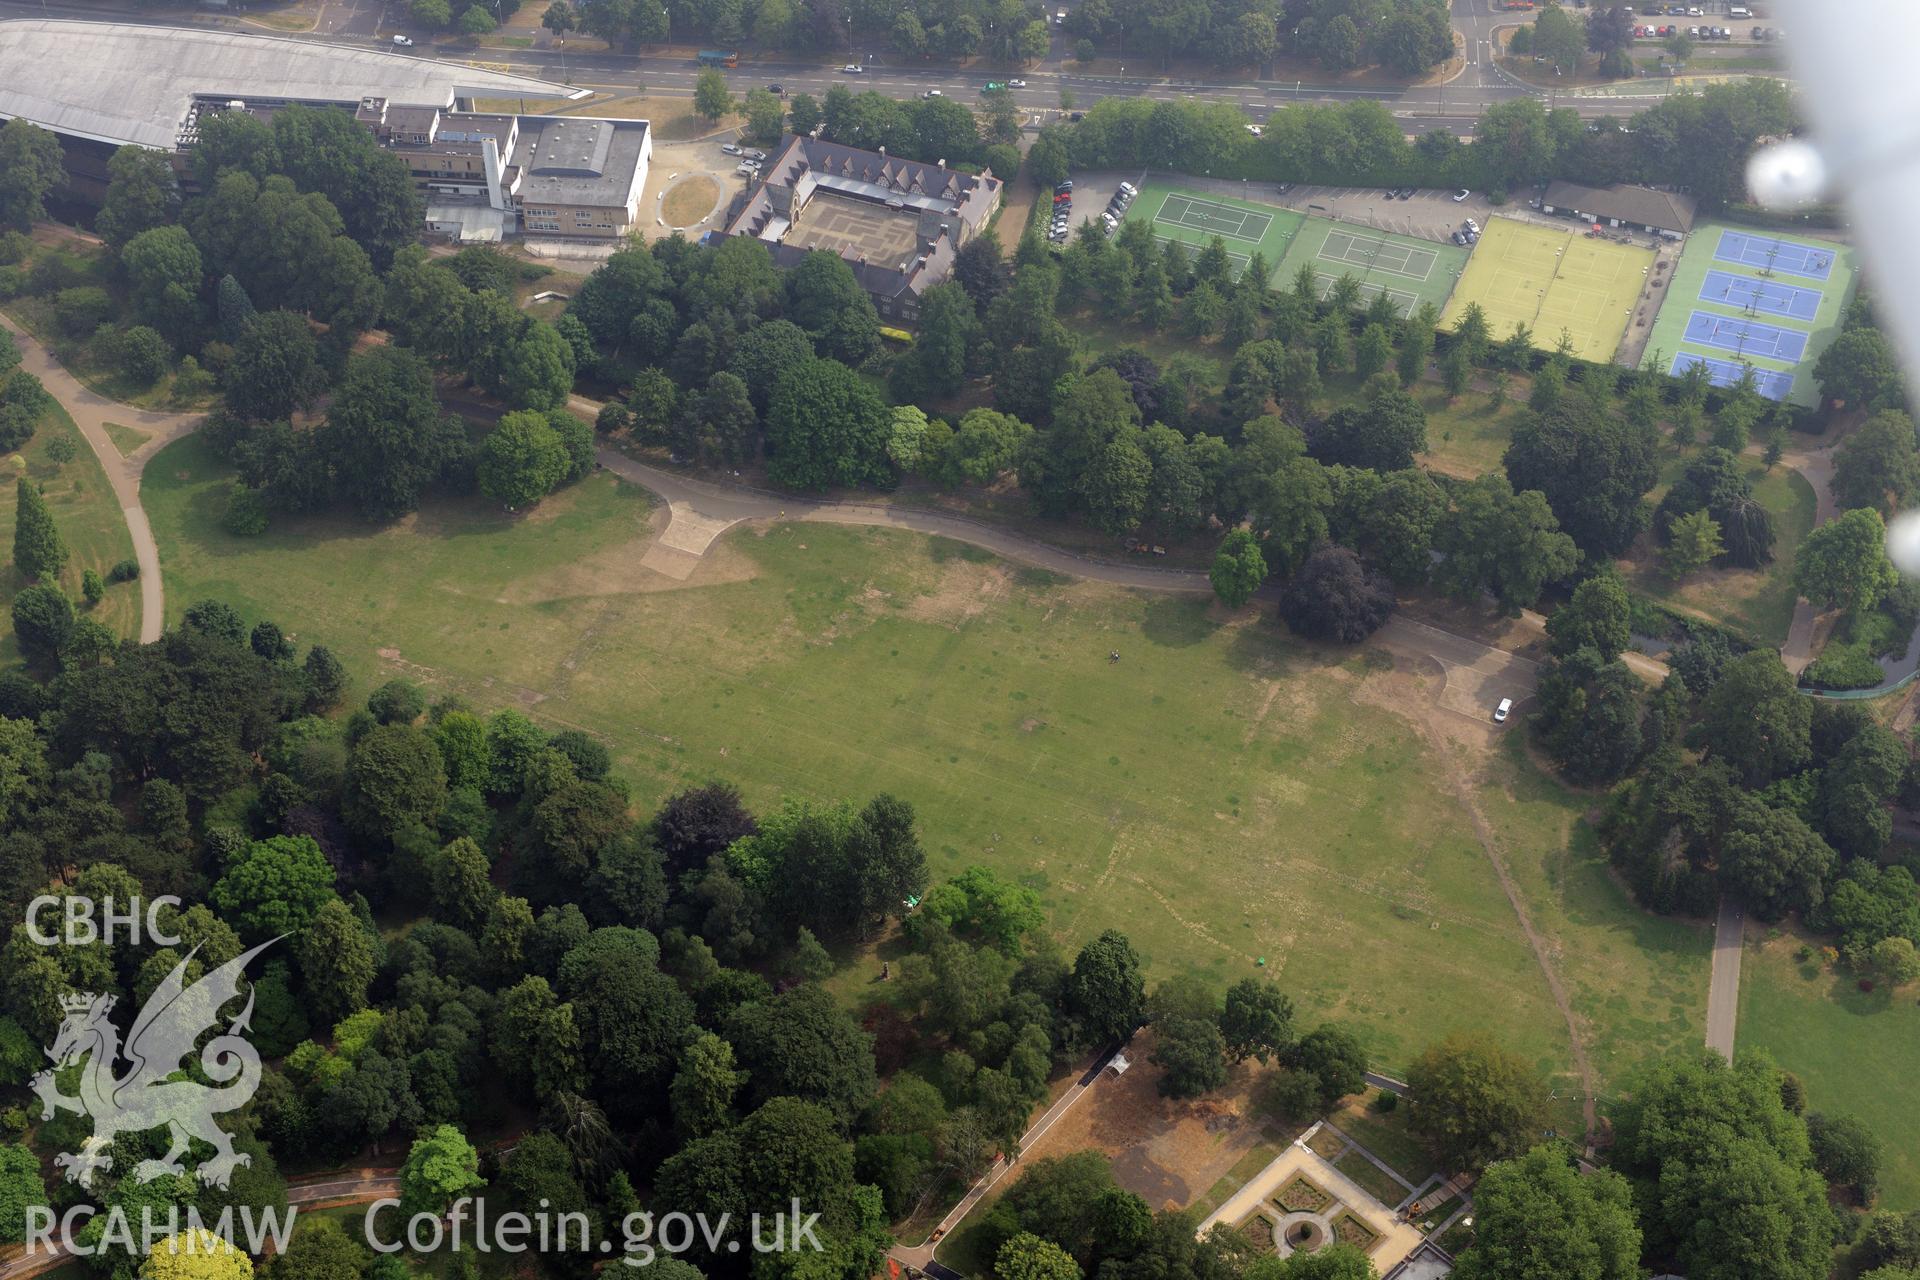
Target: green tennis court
(1193,219)
(1407,270)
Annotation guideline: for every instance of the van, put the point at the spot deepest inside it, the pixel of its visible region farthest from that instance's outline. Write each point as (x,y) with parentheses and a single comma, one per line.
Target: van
(1501,712)
(1739,11)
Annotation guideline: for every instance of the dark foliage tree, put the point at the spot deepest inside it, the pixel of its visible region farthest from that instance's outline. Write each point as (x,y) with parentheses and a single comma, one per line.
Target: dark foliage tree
(1336,597)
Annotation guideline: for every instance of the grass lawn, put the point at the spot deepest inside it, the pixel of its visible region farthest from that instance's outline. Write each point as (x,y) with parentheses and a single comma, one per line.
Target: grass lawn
(125,439)
(1371,1180)
(1756,601)
(1385,1133)
(1222,796)
(1855,1050)
(89,520)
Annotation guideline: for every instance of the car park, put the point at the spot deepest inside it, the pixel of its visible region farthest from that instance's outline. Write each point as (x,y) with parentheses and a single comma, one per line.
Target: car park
(1461,194)
(730,149)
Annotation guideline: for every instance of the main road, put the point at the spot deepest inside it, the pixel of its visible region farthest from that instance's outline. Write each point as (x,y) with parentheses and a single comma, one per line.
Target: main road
(1454,105)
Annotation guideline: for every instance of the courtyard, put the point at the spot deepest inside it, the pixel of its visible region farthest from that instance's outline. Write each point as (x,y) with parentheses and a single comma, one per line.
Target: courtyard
(854,229)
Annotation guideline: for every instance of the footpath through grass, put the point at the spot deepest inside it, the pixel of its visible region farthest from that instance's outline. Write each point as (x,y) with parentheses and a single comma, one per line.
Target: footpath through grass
(1222,795)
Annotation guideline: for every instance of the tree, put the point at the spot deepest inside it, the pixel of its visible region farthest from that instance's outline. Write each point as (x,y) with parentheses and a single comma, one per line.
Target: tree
(275,367)
(394,776)
(826,427)
(1257,1021)
(1558,38)
(766,118)
(1238,568)
(31,166)
(1026,1256)
(39,553)
(534,1040)
(1860,368)
(141,194)
(1878,465)
(196,1254)
(1335,597)
(1416,344)
(825,299)
(42,622)
(1693,542)
(1191,1053)
(1592,468)
(384,433)
(1503,542)
(1598,616)
(336,960)
(476,21)
(1756,720)
(1473,1102)
(704,1087)
(1589,716)
(1334,1060)
(139,353)
(1537,1217)
(801,1044)
(521,460)
(560,18)
(1846,1150)
(441,1166)
(21,1187)
(1896,960)
(710,96)
(1843,564)
(163,277)
(1105,992)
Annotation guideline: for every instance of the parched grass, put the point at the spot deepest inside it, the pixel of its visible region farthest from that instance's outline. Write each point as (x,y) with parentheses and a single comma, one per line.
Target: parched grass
(89,520)
(1223,795)
(690,200)
(1854,1050)
(1758,602)
(1237,1177)
(1371,1180)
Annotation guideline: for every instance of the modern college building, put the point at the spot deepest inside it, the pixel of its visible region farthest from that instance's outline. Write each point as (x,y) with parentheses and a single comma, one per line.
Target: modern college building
(100,86)
(897,223)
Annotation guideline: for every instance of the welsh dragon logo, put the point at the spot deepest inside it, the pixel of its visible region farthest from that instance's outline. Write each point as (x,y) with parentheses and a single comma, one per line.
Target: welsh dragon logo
(148,1095)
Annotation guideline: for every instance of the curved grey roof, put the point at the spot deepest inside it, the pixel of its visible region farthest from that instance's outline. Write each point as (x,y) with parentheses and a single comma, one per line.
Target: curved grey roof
(127,82)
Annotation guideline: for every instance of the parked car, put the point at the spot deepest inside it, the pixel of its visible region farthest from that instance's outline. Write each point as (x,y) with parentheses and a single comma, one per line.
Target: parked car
(730,149)
(750,170)
(1459,237)
(852,69)
(1501,712)
(1461,194)
(1695,11)
(1129,189)
(1066,185)
(777,90)
(1470,225)
(1283,187)
(1076,117)
(1759,33)
(1694,32)
(405,42)
(755,155)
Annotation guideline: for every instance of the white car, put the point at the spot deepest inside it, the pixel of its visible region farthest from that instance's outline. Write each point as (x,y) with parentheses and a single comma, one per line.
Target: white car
(933,93)
(405,42)
(1253,129)
(748,168)
(730,149)
(1016,84)
(754,154)
(851,69)
(1461,194)
(1501,712)
(1473,226)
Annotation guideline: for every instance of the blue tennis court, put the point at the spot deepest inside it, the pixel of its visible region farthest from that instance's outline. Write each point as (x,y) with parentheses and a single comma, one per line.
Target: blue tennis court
(1745,337)
(1725,373)
(1774,255)
(1761,295)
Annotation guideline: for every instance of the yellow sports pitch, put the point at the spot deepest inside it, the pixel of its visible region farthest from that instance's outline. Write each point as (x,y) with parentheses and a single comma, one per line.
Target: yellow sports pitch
(1549,280)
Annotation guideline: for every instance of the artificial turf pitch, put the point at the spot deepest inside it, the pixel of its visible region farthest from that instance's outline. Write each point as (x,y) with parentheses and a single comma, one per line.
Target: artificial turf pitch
(1552,280)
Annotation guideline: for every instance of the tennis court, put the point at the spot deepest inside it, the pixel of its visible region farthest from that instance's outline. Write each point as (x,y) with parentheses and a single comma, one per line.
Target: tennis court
(1408,271)
(1214,218)
(1770,383)
(1741,336)
(1751,294)
(1770,254)
(1552,280)
(1727,294)
(1193,219)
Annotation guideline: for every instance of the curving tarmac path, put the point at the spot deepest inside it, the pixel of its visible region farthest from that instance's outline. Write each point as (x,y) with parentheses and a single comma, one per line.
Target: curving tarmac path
(91,412)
